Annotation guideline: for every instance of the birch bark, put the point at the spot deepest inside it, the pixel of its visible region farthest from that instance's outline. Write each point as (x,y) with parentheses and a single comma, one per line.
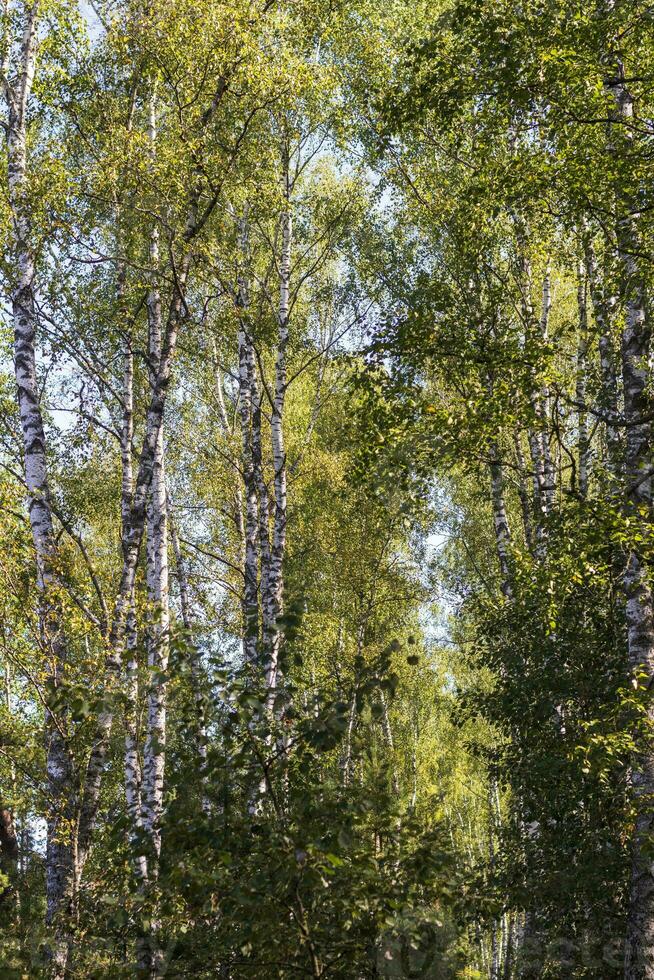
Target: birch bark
(549,472)
(267,613)
(157,580)
(604,305)
(134,528)
(133,537)
(157,645)
(500,519)
(157,633)
(132,764)
(239,522)
(636,339)
(61,863)
(390,744)
(583,446)
(276,580)
(194,655)
(522,490)
(537,434)
(251,597)
(346,759)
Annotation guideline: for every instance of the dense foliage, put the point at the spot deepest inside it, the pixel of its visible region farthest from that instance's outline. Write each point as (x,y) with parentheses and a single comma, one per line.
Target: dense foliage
(327,625)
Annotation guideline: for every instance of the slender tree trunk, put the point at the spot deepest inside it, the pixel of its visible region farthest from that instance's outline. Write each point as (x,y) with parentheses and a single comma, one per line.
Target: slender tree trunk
(604,312)
(157,641)
(201,739)
(61,865)
(239,523)
(133,773)
(9,849)
(276,578)
(496,927)
(583,446)
(523,494)
(346,759)
(549,471)
(131,752)
(507,966)
(414,765)
(251,596)
(390,744)
(8,855)
(132,538)
(636,338)
(157,637)
(267,612)
(500,519)
(537,435)
(246,376)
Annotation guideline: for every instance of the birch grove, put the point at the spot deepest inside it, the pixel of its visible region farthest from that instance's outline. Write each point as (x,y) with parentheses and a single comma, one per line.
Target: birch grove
(326,602)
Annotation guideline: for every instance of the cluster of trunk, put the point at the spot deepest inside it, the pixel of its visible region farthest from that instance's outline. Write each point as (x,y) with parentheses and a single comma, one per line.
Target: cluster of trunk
(72,816)
(263,458)
(618,418)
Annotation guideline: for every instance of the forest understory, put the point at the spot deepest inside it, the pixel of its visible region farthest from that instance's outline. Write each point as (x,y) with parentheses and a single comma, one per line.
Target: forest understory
(326,489)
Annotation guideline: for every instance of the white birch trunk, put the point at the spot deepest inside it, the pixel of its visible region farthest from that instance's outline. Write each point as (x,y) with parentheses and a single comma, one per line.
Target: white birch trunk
(346,759)
(157,647)
(131,547)
(158,628)
(583,446)
(604,311)
(61,863)
(549,472)
(267,612)
(246,375)
(414,768)
(194,655)
(636,339)
(132,759)
(536,435)
(276,579)
(154,754)
(500,519)
(522,491)
(390,744)
(132,764)
(132,538)
(239,522)
(135,525)
(251,597)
